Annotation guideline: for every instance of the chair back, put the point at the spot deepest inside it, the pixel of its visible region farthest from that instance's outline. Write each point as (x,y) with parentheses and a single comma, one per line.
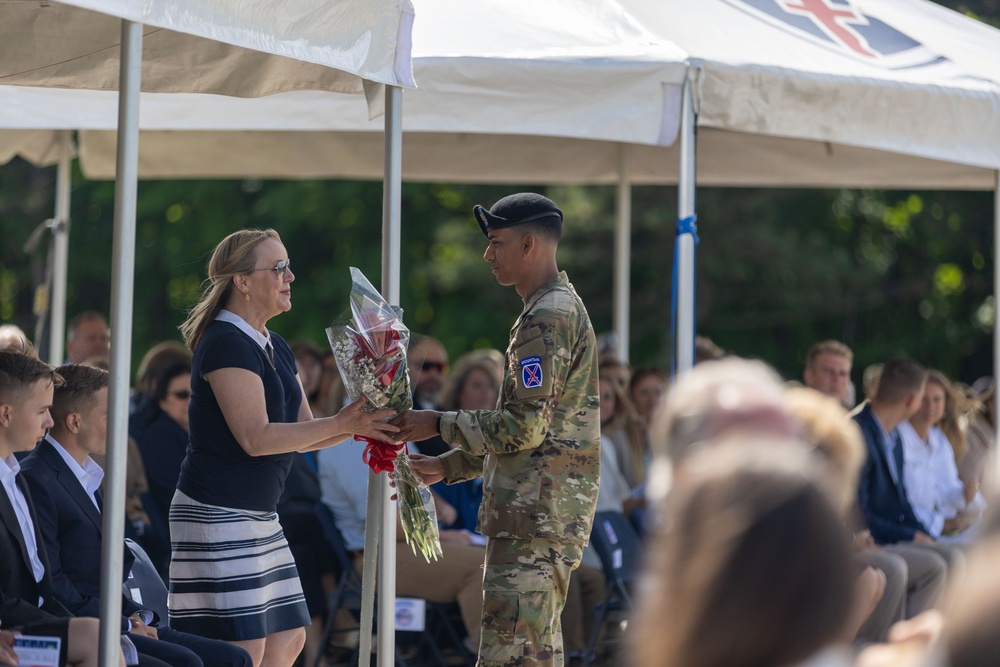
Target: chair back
(349,576)
(618,546)
(144,579)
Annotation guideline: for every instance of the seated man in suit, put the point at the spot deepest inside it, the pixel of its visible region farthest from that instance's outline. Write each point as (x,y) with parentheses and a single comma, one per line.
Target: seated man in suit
(26,600)
(65,483)
(881,487)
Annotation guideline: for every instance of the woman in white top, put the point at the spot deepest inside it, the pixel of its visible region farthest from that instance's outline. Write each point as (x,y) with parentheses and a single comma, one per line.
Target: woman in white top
(939,499)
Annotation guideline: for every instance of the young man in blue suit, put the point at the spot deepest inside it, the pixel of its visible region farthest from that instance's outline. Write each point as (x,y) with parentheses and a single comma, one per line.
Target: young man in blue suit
(881,489)
(65,482)
(26,600)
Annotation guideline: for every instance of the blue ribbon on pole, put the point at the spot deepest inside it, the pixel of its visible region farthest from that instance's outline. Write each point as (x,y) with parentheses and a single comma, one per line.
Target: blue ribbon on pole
(687,225)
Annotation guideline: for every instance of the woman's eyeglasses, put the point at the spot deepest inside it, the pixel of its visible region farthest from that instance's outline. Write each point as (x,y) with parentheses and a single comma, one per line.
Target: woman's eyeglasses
(278,268)
(182,394)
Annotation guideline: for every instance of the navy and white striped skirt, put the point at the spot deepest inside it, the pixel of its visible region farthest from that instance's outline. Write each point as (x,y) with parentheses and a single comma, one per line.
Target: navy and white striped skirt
(232,575)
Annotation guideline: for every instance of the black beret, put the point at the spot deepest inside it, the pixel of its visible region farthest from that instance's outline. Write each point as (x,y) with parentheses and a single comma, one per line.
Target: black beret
(516,210)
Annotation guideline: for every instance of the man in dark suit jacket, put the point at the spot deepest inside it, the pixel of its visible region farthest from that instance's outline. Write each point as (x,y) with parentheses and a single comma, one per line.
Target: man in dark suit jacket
(881,487)
(65,483)
(26,597)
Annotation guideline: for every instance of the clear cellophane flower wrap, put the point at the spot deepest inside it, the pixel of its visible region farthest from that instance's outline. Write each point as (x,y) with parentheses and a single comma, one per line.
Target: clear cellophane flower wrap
(369,342)
(417,512)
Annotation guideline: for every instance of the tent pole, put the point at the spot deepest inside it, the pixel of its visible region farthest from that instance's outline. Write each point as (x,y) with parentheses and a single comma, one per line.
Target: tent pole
(122,287)
(623,256)
(684,353)
(996,304)
(391,251)
(60,259)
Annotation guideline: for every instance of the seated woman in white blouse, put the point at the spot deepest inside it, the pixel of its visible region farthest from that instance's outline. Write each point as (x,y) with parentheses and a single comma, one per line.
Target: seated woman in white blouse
(942,503)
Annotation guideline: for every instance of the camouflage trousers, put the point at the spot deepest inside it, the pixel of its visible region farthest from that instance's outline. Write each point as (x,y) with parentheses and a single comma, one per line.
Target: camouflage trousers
(524,591)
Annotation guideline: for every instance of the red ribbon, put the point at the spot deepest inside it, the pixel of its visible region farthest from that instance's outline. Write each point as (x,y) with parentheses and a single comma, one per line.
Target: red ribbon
(380,456)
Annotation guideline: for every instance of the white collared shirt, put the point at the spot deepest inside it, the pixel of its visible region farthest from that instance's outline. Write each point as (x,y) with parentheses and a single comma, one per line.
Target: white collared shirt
(9,468)
(89,474)
(263,339)
(931,476)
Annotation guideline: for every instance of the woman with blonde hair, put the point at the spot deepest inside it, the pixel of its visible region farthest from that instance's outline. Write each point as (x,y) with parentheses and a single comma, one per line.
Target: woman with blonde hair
(232,575)
(932,442)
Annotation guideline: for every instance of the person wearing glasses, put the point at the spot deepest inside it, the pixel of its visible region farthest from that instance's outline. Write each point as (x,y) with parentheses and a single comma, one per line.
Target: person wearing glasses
(163,439)
(232,575)
(428,364)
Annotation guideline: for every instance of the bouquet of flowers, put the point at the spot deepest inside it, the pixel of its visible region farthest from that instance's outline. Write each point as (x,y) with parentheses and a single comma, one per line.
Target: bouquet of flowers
(369,343)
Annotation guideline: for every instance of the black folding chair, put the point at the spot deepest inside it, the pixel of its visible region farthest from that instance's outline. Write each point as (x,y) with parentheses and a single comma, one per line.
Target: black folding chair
(620,549)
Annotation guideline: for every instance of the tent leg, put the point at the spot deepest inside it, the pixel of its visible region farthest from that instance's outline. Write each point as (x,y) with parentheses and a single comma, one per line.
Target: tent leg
(623,254)
(122,288)
(391,234)
(996,303)
(60,259)
(684,352)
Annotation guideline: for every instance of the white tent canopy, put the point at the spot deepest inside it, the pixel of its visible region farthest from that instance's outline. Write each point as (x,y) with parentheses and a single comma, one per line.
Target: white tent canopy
(55,45)
(227,48)
(506,93)
(874,93)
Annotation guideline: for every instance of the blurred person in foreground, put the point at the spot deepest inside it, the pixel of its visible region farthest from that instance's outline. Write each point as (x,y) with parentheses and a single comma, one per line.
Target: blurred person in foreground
(749,568)
(247,419)
(538,451)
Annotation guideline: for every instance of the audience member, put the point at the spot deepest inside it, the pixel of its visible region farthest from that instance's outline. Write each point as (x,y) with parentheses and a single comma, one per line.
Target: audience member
(932,440)
(156,360)
(472,385)
(26,598)
(882,493)
(89,337)
(828,370)
(646,387)
(428,364)
(626,432)
(138,523)
(331,395)
(619,371)
(309,361)
(750,566)
(975,465)
(163,442)
(64,482)
(613,491)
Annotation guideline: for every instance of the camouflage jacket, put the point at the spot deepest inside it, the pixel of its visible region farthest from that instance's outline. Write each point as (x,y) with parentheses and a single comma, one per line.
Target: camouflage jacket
(539,451)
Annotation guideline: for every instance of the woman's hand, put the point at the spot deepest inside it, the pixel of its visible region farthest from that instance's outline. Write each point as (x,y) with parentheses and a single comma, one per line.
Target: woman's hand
(354,420)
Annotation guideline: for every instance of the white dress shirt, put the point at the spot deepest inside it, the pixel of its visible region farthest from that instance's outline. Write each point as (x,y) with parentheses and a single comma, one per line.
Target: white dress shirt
(89,474)
(932,485)
(9,468)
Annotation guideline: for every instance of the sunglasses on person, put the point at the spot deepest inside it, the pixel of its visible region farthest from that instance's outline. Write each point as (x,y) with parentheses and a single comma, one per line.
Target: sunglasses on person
(278,268)
(438,366)
(182,394)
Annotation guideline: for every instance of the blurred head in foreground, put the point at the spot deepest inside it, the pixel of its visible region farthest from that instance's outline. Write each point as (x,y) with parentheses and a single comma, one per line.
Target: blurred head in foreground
(715,399)
(750,566)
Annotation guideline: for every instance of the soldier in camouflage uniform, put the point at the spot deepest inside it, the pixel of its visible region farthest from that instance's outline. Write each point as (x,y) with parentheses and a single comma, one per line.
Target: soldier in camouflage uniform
(538,451)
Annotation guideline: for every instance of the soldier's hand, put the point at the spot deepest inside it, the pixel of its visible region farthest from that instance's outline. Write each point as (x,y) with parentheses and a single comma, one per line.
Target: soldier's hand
(430,469)
(416,425)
